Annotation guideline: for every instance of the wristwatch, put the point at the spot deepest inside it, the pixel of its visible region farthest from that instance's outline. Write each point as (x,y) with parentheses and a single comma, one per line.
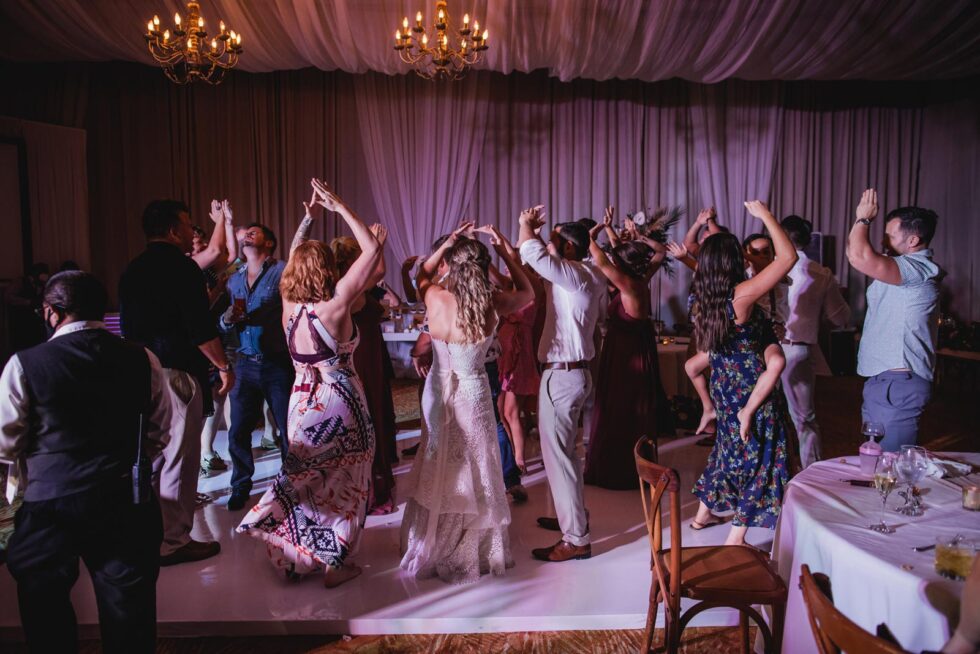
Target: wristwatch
(864,221)
(225,369)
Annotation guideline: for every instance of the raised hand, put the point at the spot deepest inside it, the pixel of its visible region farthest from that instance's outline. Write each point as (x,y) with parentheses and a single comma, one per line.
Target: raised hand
(631,230)
(533,217)
(705,215)
(462,230)
(596,230)
(676,250)
(325,197)
(757,208)
(468,232)
(868,207)
(380,232)
(607,217)
(409,262)
(216,214)
(226,210)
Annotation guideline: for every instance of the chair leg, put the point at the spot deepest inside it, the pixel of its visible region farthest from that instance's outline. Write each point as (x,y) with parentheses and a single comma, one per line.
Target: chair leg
(743,624)
(672,634)
(651,615)
(778,619)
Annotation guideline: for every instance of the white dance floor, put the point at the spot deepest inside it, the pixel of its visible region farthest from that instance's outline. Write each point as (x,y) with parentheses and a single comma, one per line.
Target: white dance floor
(238,592)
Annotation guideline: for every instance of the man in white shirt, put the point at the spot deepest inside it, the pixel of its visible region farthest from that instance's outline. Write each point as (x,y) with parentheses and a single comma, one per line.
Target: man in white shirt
(814,297)
(573,289)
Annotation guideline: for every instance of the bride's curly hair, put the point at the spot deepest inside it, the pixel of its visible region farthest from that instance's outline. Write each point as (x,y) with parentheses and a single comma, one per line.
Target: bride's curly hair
(469,282)
(310,275)
(721,267)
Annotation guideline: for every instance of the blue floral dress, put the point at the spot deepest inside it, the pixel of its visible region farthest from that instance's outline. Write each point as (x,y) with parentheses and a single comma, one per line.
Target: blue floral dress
(748,478)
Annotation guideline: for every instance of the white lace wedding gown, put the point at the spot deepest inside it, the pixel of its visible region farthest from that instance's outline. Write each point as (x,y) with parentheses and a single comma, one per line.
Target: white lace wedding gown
(456,517)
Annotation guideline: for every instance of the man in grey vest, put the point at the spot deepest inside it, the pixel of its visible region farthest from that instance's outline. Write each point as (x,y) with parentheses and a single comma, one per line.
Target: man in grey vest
(71,410)
(898,342)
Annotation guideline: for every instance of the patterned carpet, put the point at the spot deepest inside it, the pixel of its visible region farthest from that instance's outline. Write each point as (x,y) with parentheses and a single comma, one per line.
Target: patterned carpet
(696,641)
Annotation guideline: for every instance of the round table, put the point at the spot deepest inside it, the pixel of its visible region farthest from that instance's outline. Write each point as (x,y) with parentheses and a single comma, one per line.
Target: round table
(875,578)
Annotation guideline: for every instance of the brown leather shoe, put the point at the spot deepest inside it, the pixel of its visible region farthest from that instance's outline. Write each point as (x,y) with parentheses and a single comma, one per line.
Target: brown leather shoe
(195,550)
(562,551)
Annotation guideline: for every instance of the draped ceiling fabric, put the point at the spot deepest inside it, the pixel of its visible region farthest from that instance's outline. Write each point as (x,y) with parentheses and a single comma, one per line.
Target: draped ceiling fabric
(702,41)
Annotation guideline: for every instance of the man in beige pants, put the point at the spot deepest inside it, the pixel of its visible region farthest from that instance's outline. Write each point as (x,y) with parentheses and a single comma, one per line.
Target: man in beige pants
(573,290)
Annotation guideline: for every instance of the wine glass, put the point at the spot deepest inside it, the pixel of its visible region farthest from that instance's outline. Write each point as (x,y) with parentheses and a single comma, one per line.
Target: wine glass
(911,467)
(873,430)
(885,479)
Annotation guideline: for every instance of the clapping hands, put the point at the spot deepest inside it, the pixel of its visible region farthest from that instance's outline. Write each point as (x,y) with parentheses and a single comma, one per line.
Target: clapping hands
(217,212)
(533,217)
(677,250)
(325,197)
(380,233)
(705,215)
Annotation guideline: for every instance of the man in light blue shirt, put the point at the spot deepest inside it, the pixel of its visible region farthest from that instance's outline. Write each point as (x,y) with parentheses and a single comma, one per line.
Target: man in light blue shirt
(898,343)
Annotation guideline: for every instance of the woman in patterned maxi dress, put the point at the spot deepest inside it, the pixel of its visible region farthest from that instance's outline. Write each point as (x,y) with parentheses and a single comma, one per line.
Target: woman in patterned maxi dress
(745,476)
(313,514)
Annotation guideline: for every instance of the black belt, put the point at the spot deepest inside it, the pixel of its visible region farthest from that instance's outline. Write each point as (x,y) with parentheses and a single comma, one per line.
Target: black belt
(565,365)
(786,341)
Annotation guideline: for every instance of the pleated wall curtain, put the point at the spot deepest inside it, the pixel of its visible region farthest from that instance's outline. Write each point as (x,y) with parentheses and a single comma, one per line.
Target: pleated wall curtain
(420,156)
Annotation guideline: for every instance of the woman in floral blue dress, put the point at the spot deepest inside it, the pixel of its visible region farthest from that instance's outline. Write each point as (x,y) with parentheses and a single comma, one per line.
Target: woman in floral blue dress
(745,475)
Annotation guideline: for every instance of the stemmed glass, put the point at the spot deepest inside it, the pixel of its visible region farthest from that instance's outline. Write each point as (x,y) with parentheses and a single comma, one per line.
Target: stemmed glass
(873,431)
(911,466)
(885,479)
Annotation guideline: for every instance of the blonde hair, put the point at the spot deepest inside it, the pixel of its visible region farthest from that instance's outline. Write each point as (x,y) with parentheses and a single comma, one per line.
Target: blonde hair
(469,282)
(310,275)
(345,253)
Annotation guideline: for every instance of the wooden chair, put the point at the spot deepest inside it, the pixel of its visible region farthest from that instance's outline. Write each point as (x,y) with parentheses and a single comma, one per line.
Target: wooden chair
(716,575)
(834,631)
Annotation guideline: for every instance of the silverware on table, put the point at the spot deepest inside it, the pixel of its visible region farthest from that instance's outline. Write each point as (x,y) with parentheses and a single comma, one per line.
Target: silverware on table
(924,548)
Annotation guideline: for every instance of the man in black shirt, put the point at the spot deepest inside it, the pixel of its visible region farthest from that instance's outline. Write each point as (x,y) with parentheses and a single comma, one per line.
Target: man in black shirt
(72,411)
(163,304)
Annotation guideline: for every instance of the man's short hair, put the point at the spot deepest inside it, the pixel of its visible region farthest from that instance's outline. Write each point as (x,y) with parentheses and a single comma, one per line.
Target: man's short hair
(268,233)
(798,229)
(161,216)
(77,293)
(576,234)
(915,220)
(198,232)
(753,237)
(587,222)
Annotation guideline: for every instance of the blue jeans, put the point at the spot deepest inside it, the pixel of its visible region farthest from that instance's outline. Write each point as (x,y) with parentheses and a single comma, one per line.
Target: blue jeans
(896,400)
(512,474)
(270,380)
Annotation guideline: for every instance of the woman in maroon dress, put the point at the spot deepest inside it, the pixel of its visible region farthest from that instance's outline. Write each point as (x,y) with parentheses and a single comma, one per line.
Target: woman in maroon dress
(630,401)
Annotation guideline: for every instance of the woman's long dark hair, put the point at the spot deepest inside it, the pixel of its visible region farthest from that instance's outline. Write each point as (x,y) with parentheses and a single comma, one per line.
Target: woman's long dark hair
(721,267)
(633,258)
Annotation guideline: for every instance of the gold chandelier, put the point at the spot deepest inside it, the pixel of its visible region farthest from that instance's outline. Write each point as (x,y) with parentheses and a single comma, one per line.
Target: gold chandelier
(186,55)
(442,60)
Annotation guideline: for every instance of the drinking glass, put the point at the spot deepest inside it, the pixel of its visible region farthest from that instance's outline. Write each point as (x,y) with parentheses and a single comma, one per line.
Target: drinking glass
(873,430)
(911,467)
(954,556)
(885,479)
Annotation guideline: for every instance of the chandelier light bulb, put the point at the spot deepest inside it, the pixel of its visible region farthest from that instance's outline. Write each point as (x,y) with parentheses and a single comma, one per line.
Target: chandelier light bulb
(425,40)
(486,33)
(190,44)
(466,20)
(156,21)
(214,44)
(442,15)
(221,26)
(200,23)
(476,26)
(177,19)
(405,23)
(418,18)
(166,36)
(238,40)
(149,26)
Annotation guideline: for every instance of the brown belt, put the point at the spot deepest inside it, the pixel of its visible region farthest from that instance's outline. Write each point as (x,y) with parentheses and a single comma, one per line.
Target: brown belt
(562,365)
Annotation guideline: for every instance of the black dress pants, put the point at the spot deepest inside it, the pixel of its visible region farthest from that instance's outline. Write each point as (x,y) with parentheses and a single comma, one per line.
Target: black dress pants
(120,545)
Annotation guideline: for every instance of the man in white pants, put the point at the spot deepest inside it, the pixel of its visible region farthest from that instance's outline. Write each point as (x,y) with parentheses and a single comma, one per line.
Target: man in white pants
(814,297)
(573,290)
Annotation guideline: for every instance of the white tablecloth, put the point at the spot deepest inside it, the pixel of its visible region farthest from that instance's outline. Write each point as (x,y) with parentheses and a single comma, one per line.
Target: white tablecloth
(824,525)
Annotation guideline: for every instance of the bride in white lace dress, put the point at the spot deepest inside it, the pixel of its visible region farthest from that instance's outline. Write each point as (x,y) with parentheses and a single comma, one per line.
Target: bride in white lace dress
(456,518)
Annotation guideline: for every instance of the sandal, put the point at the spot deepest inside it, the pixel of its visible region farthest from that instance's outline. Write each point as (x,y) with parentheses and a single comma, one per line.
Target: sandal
(713,521)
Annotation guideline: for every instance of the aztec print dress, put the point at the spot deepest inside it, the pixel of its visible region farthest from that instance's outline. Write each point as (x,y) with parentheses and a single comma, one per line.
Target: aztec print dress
(313,514)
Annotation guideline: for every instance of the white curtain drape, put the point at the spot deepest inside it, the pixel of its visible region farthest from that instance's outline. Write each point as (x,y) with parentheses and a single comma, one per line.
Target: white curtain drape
(57,188)
(422,145)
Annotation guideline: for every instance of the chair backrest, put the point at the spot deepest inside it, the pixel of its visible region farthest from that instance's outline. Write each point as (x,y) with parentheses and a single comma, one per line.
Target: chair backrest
(834,631)
(655,480)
